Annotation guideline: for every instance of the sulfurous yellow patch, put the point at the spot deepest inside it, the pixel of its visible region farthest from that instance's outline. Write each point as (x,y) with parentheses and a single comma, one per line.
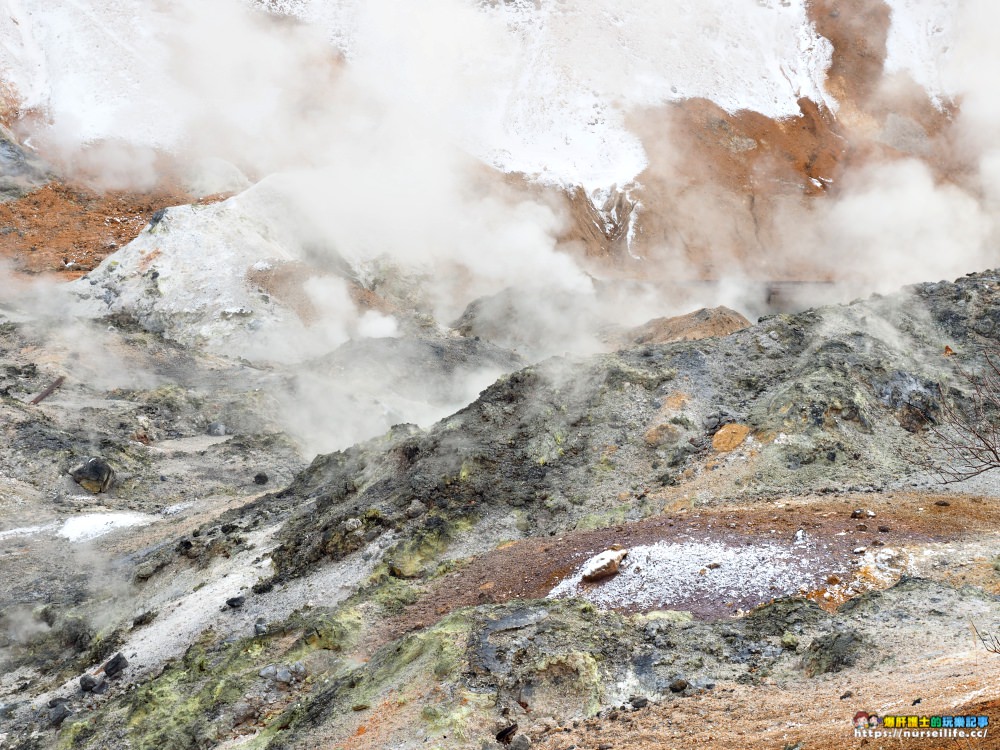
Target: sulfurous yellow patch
(730,437)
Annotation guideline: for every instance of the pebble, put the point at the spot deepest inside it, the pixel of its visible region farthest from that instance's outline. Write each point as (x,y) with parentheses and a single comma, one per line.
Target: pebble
(216,429)
(353,524)
(235,602)
(678,686)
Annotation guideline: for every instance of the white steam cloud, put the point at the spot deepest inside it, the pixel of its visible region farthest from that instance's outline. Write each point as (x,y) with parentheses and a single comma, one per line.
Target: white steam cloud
(370,129)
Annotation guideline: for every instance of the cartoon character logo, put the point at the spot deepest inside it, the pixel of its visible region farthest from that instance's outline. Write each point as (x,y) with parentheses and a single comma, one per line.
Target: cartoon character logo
(861,720)
(873,721)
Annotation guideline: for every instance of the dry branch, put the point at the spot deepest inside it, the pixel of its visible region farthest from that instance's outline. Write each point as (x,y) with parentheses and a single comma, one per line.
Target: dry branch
(966,436)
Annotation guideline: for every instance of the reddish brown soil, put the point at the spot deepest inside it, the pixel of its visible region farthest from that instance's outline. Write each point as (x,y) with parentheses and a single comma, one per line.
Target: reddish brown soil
(67,230)
(530,568)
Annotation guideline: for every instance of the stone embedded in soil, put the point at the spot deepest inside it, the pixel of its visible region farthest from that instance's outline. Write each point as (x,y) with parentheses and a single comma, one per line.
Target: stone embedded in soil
(116,665)
(88,683)
(678,686)
(506,735)
(604,565)
(415,509)
(235,602)
(59,713)
(833,652)
(521,742)
(94,475)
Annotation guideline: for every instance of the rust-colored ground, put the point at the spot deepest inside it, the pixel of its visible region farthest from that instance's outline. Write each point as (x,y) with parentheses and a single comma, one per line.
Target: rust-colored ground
(530,568)
(68,230)
(771,715)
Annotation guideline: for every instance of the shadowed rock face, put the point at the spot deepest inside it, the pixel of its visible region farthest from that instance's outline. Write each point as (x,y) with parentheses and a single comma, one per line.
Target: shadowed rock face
(20,172)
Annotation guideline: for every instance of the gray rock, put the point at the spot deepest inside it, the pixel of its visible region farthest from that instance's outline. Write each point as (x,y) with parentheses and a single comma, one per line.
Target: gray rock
(521,742)
(269,672)
(59,713)
(115,666)
(415,509)
(94,475)
(216,429)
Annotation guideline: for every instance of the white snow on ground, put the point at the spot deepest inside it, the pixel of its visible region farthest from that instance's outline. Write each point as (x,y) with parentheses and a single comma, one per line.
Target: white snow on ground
(920,36)
(83,528)
(92,65)
(27,531)
(662,574)
(558,109)
(541,89)
(93,525)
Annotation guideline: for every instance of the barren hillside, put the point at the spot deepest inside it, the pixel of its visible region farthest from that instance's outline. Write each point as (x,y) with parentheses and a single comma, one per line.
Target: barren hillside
(483,374)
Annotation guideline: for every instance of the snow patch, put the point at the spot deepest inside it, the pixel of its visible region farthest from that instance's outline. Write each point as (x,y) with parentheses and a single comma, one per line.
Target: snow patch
(668,574)
(920,36)
(82,528)
(93,525)
(27,531)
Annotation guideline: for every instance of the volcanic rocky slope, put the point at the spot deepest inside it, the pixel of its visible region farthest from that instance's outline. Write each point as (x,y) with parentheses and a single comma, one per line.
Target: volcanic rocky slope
(388,596)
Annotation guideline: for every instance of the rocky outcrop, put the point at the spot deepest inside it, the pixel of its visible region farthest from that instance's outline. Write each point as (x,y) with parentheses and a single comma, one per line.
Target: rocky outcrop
(820,400)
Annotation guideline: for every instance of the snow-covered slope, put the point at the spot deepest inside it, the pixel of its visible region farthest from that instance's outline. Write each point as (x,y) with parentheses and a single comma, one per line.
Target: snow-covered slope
(537,88)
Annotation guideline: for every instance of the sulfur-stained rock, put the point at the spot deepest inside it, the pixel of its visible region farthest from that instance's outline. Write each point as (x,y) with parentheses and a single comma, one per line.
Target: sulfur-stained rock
(730,437)
(94,475)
